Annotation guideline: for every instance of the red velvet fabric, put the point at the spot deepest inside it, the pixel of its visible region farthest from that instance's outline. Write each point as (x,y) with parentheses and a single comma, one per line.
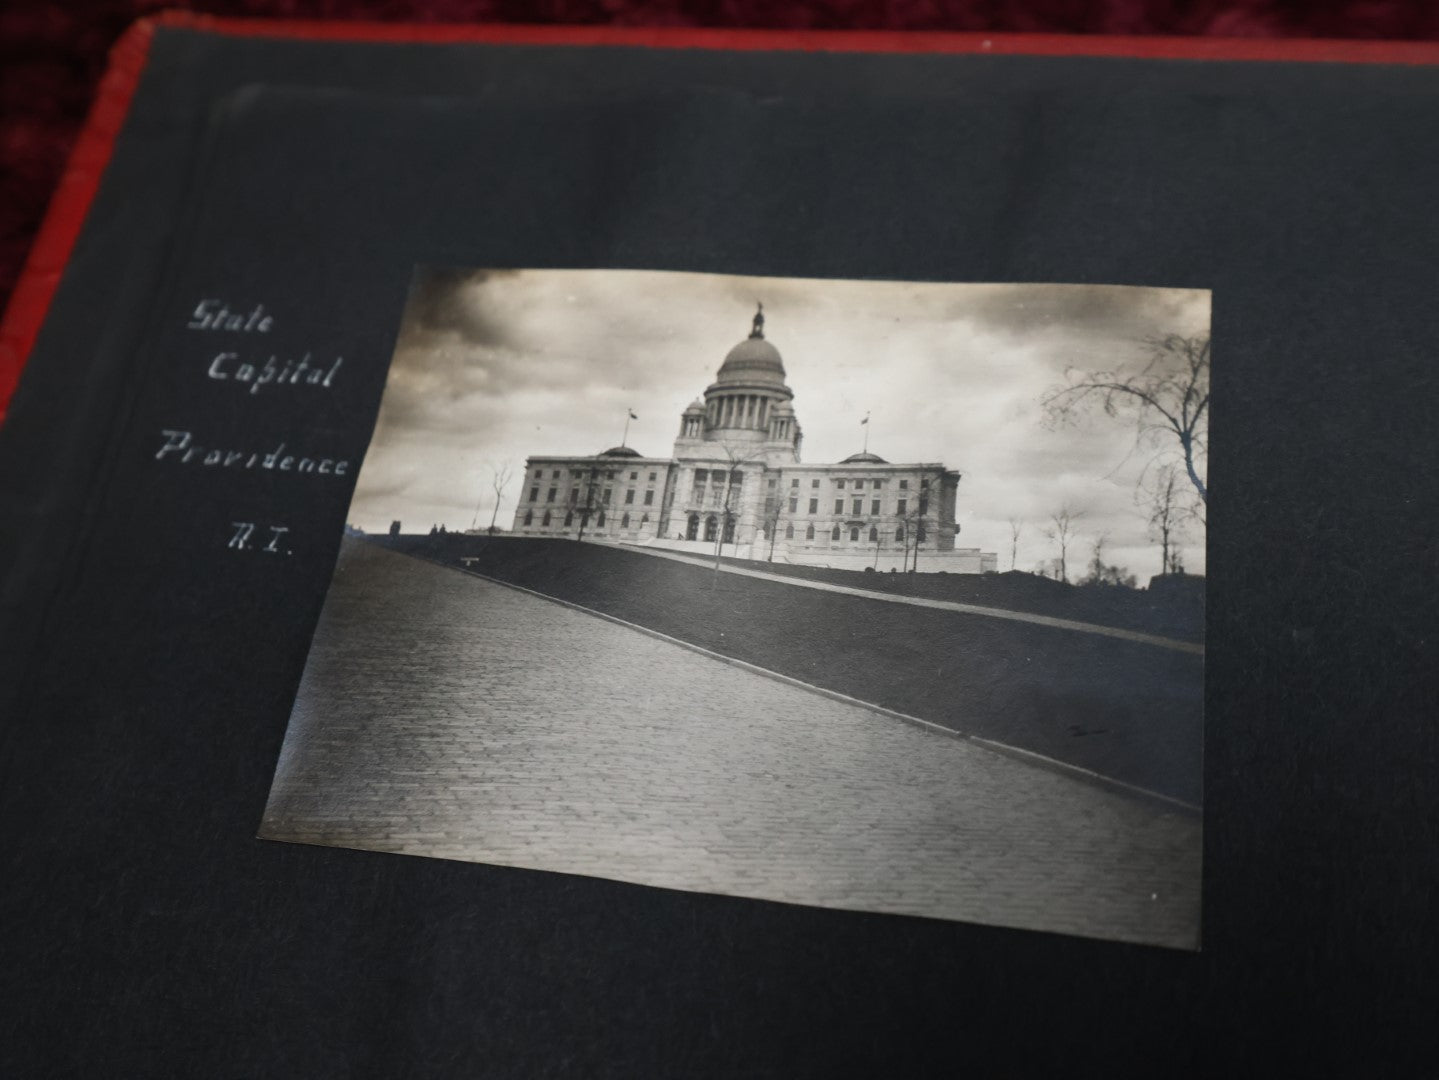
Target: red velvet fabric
(52,54)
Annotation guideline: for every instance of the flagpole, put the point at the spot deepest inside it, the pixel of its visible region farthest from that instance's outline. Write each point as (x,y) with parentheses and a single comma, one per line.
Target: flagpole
(865,424)
(625,438)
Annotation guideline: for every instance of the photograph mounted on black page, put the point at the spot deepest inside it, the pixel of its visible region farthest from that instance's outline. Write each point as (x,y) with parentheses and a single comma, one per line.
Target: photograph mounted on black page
(874,595)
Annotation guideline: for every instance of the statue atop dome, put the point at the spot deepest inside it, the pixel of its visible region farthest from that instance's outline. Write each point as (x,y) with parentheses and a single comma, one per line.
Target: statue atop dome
(757,330)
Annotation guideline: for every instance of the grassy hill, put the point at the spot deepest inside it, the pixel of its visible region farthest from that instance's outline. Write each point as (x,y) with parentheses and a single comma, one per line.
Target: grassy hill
(1126,710)
(1178,614)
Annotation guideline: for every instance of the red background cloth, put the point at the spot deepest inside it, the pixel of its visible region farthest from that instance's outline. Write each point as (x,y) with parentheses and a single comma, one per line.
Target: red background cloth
(52,54)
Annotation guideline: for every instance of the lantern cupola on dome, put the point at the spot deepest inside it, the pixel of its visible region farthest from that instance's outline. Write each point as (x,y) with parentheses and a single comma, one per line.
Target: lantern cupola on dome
(748,403)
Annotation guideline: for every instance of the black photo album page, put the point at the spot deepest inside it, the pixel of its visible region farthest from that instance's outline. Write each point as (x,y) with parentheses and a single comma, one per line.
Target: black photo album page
(649,554)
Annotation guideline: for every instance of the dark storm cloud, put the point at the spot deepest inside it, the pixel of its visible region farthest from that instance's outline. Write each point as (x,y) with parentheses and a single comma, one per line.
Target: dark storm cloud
(1110,309)
(457,340)
(472,334)
(450,300)
(1113,313)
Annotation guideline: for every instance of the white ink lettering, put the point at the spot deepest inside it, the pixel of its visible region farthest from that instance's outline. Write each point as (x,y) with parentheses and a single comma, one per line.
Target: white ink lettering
(216,370)
(174,441)
(216,315)
(181,446)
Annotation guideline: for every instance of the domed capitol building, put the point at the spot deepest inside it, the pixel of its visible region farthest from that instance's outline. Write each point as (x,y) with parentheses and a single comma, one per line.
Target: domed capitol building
(735,482)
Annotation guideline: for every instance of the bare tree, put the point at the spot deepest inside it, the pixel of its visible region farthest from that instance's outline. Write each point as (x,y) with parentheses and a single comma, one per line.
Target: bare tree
(500,476)
(773,515)
(1047,568)
(1196,509)
(593,503)
(1168,397)
(1166,514)
(736,457)
(1015,527)
(1096,562)
(1061,531)
(911,527)
(1101,573)
(915,518)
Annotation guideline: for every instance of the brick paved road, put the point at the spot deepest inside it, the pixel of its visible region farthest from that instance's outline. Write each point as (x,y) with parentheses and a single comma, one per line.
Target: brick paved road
(445,715)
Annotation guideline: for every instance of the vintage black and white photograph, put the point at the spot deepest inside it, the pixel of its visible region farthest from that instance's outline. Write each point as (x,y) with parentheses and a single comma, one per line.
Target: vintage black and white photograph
(873,595)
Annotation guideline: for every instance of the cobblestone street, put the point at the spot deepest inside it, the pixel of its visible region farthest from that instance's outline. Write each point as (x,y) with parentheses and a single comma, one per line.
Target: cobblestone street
(445,715)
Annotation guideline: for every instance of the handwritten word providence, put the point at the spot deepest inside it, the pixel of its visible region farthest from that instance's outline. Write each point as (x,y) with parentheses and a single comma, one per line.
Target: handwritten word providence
(181,448)
(229,367)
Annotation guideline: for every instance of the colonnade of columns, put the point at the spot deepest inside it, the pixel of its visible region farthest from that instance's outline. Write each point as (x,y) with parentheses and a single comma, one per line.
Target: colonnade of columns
(740,411)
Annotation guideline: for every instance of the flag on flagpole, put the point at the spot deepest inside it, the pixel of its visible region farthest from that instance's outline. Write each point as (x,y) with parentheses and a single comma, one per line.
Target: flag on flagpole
(633,416)
(865,420)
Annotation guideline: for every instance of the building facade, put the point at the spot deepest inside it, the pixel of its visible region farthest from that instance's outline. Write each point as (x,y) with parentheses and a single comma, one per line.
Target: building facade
(735,483)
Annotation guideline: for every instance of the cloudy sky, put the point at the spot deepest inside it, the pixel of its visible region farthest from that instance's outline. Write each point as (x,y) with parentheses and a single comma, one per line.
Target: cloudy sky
(493,366)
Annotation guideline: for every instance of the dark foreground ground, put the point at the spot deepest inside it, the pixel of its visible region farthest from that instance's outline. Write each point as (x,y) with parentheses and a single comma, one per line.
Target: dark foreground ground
(1126,710)
(427,724)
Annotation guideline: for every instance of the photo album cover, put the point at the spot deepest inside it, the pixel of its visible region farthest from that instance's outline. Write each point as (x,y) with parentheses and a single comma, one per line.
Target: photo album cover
(537,552)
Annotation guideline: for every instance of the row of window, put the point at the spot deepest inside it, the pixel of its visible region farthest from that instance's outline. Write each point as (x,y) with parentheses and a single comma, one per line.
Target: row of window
(734,485)
(718,475)
(836,533)
(711,531)
(548,519)
(711,528)
(576,474)
(858,484)
(649,499)
(717,494)
(901,507)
